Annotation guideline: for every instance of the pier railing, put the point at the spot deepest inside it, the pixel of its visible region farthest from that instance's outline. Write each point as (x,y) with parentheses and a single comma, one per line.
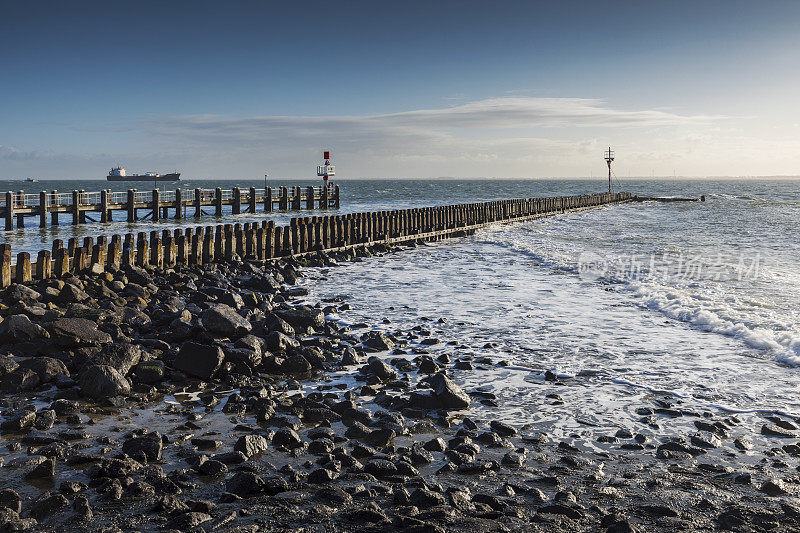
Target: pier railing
(157,204)
(253,241)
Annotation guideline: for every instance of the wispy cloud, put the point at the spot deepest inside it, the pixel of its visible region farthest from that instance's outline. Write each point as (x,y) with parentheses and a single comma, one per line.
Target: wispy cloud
(418,126)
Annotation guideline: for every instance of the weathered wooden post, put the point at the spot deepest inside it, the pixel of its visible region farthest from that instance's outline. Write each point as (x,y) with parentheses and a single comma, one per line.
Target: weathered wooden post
(198,202)
(336,196)
(82,212)
(43,209)
(283,198)
(309,197)
(79,260)
(252,200)
(20,203)
(54,203)
(236,208)
(196,251)
(178,204)
(323,197)
(269,240)
(76,202)
(277,248)
(131,205)
(218,202)
(114,252)
(129,250)
(297,199)
(104,206)
(156,205)
(288,248)
(208,248)
(43,265)
(23,270)
(60,263)
(268,199)
(142,250)
(156,250)
(9,211)
(230,246)
(5,265)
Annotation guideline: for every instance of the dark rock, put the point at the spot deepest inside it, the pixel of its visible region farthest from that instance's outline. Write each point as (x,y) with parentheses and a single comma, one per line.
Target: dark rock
(277,342)
(149,446)
(47,504)
(425,498)
(19,328)
(447,394)
(381,370)
(121,356)
(251,445)
(295,364)
(774,487)
(76,332)
(46,368)
(244,484)
(19,419)
(321,476)
(9,499)
(187,521)
(380,438)
(287,438)
(502,429)
(100,382)
(776,431)
(213,468)
(199,360)
(20,380)
(45,469)
(149,371)
(224,320)
(302,317)
(377,341)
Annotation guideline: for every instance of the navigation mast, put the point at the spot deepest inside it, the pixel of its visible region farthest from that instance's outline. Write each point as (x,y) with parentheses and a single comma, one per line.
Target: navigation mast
(609,158)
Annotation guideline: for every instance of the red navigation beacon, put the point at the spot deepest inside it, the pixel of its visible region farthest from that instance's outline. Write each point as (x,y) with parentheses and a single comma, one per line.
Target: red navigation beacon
(325,170)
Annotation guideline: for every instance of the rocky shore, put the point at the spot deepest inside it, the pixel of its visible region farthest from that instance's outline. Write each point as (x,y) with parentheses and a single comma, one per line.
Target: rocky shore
(205,399)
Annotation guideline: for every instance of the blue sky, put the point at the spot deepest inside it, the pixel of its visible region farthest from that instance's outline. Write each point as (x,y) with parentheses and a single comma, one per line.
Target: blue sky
(411,89)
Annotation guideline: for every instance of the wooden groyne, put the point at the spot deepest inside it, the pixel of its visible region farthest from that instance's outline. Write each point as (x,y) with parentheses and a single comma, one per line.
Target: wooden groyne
(253,241)
(157,204)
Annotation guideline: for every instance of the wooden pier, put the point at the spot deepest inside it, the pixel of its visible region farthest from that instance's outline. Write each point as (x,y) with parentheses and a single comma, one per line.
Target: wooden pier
(265,241)
(99,206)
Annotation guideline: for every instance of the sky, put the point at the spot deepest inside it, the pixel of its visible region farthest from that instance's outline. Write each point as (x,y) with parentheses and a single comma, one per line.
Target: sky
(400,89)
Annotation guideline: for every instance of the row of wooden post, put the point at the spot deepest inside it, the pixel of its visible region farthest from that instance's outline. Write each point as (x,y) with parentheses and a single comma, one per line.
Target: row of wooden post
(299,199)
(254,241)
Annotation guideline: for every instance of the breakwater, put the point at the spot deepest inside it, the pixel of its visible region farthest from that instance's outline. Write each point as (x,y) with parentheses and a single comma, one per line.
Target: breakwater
(207,244)
(158,204)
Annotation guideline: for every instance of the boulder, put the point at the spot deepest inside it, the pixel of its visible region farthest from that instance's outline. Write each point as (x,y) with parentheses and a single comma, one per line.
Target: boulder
(199,360)
(19,328)
(77,332)
(276,323)
(46,368)
(244,484)
(277,342)
(448,394)
(102,381)
(20,380)
(381,370)
(122,356)
(149,371)
(135,318)
(295,364)
(224,320)
(251,445)
(302,317)
(149,445)
(71,294)
(377,341)
(21,293)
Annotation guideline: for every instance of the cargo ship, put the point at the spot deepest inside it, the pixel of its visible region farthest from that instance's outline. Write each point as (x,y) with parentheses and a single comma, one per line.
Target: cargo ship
(119,174)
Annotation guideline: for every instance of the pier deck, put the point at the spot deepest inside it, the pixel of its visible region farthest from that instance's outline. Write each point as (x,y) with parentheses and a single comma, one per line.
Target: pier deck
(157,204)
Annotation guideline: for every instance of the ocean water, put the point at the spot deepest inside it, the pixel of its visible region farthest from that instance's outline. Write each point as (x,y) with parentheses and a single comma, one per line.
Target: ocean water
(693,304)
(696,304)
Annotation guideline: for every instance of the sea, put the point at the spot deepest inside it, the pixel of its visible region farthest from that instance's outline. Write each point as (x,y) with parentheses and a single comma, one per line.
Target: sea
(693,305)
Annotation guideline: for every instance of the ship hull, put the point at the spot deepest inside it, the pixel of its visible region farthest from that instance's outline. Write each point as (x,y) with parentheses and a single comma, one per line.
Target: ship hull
(175,176)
